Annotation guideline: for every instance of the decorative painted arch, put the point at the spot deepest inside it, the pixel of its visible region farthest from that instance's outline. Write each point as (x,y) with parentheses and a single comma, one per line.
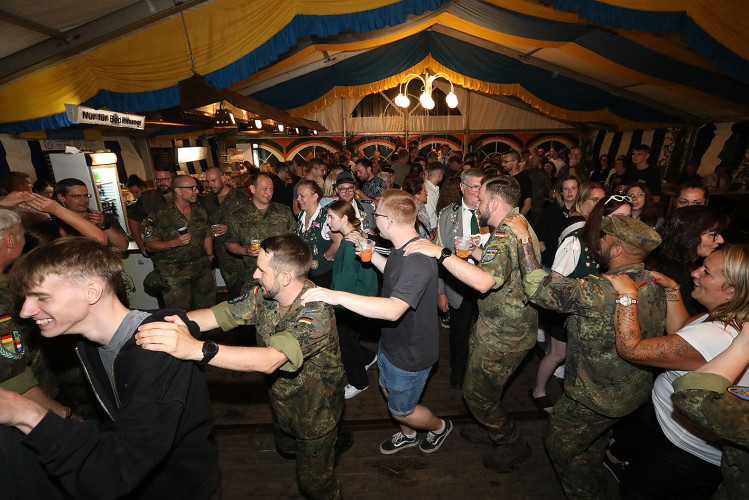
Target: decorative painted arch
(300,148)
(547,141)
(456,143)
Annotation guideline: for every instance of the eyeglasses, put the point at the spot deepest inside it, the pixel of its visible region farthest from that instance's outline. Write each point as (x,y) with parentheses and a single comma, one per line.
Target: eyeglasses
(379,215)
(714,235)
(162,181)
(78,196)
(192,188)
(637,195)
(617,197)
(346,190)
(472,188)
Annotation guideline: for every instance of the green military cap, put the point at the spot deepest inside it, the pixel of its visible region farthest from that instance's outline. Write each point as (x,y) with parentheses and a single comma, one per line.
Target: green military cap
(632,231)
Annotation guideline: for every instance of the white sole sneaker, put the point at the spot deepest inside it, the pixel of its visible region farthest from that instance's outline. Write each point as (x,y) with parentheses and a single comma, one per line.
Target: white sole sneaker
(367,366)
(350,391)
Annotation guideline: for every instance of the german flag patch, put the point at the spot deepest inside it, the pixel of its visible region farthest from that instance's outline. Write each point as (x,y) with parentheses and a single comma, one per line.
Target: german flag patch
(306,320)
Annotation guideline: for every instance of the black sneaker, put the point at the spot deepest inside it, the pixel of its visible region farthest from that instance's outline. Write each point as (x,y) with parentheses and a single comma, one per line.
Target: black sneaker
(398,442)
(434,440)
(616,470)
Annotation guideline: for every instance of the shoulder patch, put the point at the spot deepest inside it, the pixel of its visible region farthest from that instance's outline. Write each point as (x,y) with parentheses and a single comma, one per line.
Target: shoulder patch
(10,345)
(4,318)
(306,320)
(501,234)
(240,298)
(740,392)
(489,255)
(148,227)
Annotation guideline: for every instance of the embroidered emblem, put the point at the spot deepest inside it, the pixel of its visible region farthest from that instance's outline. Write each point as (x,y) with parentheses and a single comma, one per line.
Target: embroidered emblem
(489,255)
(148,228)
(587,264)
(10,345)
(315,264)
(240,298)
(501,234)
(313,312)
(739,391)
(305,319)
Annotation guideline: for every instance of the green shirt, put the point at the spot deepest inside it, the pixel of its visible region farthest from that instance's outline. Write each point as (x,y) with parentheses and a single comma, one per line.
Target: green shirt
(317,237)
(307,390)
(352,275)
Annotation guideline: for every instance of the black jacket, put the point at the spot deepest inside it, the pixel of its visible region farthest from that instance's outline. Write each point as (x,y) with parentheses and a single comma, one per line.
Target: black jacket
(156,443)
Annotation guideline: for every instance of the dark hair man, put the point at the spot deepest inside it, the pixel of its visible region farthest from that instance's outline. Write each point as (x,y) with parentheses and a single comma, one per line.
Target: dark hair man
(511,166)
(644,172)
(156,441)
(372,186)
(507,325)
(148,203)
(345,186)
(297,341)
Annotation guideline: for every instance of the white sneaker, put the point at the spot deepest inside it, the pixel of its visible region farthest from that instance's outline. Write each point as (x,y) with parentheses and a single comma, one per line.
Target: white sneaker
(368,365)
(350,391)
(559,372)
(541,335)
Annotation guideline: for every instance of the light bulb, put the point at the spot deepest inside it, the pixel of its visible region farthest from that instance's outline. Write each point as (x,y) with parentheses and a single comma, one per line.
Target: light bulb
(452,100)
(402,101)
(280,127)
(258,124)
(426,101)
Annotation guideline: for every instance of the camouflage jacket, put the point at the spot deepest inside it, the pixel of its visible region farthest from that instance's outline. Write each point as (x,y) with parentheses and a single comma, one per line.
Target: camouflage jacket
(15,356)
(218,213)
(507,321)
(149,202)
(703,398)
(247,224)
(163,226)
(306,391)
(595,375)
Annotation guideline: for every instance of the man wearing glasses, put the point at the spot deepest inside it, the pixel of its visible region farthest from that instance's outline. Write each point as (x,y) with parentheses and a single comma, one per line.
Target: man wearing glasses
(178,237)
(459,220)
(73,195)
(148,203)
(345,185)
(511,166)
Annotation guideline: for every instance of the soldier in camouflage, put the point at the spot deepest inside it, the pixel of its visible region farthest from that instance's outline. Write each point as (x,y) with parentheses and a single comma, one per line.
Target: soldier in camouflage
(506,328)
(600,387)
(148,203)
(299,350)
(178,237)
(222,200)
(707,397)
(259,220)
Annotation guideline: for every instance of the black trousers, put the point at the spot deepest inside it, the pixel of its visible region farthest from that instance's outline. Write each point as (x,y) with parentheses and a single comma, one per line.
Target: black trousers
(461,321)
(21,474)
(353,355)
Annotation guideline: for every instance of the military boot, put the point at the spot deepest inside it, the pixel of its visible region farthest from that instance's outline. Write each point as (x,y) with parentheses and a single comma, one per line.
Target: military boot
(504,458)
(476,434)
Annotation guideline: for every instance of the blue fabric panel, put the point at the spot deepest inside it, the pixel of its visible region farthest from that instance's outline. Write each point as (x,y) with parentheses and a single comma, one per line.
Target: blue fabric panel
(705,45)
(4,166)
(38,160)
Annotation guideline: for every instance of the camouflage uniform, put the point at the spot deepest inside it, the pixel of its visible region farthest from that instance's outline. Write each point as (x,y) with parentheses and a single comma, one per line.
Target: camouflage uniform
(504,332)
(15,357)
(149,202)
(186,270)
(247,224)
(232,268)
(600,387)
(306,392)
(703,398)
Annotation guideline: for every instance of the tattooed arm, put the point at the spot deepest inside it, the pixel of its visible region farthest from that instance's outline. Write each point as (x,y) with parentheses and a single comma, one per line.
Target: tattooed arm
(526,254)
(676,314)
(670,351)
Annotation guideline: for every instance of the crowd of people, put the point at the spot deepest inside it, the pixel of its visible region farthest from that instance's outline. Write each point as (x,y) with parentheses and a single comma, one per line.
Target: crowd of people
(639,301)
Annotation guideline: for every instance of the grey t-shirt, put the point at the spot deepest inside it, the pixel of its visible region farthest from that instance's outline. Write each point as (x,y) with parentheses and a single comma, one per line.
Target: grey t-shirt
(124,332)
(412,342)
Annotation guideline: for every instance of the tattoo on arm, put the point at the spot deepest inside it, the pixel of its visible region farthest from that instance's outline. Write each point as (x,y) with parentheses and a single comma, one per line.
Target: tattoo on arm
(672,296)
(527,256)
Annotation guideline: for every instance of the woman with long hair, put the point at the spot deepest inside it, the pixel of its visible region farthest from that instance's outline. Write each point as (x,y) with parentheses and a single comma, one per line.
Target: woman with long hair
(643,206)
(415,187)
(449,193)
(578,256)
(351,275)
(689,235)
(555,217)
(313,229)
(678,459)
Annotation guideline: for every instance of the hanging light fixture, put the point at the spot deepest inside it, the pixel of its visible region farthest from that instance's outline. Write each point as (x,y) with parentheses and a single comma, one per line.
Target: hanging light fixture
(426,100)
(224,117)
(258,124)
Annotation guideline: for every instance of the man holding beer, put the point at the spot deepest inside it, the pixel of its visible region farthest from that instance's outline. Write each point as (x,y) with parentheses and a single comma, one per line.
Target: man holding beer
(507,324)
(410,339)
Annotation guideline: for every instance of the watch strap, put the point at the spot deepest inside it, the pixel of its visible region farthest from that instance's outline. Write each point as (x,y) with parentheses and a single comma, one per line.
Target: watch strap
(210,349)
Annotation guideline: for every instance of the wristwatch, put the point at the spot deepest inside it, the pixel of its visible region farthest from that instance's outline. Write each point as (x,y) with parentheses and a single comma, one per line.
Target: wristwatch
(446,252)
(626,300)
(210,349)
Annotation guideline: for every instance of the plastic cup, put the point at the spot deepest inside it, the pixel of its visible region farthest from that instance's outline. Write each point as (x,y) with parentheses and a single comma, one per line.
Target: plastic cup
(367,247)
(463,247)
(255,244)
(214,230)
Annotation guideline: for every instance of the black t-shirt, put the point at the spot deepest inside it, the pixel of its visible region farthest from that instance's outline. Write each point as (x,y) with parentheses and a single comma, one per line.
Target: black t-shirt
(412,342)
(651,177)
(526,187)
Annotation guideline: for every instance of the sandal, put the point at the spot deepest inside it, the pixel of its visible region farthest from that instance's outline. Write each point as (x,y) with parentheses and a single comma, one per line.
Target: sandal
(542,403)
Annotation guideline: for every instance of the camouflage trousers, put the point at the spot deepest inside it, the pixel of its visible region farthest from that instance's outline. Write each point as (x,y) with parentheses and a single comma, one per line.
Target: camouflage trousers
(315,462)
(234,272)
(487,373)
(189,288)
(576,440)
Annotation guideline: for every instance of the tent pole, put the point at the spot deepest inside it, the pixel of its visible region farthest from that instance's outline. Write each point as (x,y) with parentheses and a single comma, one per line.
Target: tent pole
(343,126)
(466,111)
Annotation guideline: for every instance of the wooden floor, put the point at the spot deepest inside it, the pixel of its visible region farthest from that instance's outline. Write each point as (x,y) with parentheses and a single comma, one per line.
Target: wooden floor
(251,467)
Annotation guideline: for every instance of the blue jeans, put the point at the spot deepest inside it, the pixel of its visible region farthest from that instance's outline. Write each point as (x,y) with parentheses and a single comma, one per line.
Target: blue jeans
(404,388)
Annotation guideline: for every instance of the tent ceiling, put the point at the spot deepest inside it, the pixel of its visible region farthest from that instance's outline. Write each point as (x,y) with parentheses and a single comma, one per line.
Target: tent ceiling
(676,58)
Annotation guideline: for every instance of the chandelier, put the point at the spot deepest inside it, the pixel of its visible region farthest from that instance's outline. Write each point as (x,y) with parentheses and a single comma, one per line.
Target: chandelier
(425,99)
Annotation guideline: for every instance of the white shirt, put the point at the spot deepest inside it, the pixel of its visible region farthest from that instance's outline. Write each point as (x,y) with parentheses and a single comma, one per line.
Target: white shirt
(433,193)
(709,338)
(325,229)
(568,253)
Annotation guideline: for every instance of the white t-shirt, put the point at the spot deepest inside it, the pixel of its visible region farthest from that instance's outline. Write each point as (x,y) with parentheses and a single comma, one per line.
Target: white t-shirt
(567,256)
(709,339)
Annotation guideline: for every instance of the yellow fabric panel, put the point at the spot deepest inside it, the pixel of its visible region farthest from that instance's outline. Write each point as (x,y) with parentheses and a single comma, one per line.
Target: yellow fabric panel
(459,24)
(727,21)
(630,74)
(666,45)
(157,56)
(472,84)
(650,5)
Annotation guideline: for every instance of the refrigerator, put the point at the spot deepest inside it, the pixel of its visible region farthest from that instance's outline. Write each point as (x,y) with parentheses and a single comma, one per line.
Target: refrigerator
(99,172)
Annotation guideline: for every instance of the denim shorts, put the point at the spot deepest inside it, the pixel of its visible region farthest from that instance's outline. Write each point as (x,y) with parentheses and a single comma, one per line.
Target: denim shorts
(404,388)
